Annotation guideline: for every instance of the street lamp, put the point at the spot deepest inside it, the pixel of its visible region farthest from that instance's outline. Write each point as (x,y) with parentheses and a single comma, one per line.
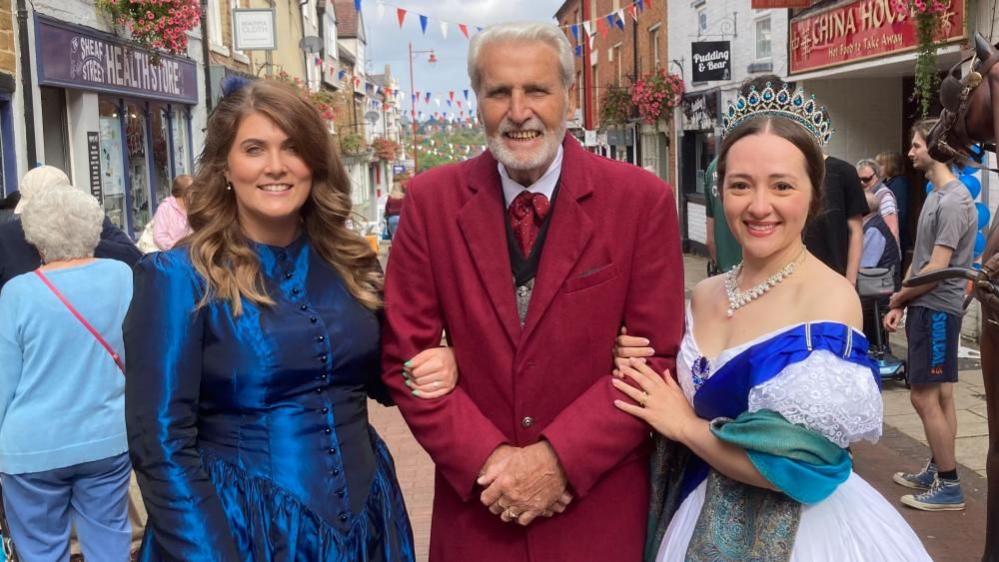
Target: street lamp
(412,92)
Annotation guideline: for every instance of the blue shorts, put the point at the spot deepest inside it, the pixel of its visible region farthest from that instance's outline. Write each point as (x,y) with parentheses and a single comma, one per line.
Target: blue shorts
(933,341)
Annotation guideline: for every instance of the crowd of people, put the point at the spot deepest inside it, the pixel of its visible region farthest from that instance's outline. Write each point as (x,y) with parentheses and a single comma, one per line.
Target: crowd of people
(230,367)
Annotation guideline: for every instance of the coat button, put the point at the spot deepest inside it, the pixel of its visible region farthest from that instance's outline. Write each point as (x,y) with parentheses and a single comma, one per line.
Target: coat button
(341,493)
(288,275)
(324,410)
(323,357)
(303,307)
(295,291)
(528,421)
(344,517)
(313,319)
(320,339)
(327,431)
(331,451)
(319,390)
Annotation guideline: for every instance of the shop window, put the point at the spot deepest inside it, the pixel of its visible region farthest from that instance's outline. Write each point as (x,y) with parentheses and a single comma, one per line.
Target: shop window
(112,163)
(181,142)
(160,132)
(138,166)
(702,22)
(763,44)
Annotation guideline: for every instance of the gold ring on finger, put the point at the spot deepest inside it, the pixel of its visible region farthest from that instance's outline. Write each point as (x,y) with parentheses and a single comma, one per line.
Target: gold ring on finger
(645,398)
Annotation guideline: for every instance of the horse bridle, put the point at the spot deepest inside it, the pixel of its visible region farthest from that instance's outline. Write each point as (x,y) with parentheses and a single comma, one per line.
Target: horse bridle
(948,140)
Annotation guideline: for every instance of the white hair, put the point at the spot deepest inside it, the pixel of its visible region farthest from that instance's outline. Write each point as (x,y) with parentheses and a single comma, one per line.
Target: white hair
(63,223)
(872,164)
(38,180)
(523,31)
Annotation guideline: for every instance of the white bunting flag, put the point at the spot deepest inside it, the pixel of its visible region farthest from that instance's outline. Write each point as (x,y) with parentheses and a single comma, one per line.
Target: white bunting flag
(444,29)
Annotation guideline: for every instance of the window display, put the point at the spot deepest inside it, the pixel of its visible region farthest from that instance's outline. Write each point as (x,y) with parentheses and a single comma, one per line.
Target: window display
(138,168)
(112,163)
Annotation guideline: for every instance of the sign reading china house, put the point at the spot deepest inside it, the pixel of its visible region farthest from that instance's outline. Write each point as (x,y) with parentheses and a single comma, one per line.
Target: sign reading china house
(71,56)
(860,30)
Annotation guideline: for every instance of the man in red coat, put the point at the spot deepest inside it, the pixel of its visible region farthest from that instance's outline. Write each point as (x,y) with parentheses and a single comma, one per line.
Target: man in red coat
(530,258)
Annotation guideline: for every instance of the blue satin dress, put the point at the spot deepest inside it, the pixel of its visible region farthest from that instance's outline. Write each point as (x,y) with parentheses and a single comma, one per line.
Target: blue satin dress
(250,435)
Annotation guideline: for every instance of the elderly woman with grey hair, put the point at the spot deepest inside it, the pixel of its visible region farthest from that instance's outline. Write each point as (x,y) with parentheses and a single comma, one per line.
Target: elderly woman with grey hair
(63,448)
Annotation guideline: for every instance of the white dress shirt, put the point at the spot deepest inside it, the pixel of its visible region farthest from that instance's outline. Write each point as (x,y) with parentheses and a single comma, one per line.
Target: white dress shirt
(545,184)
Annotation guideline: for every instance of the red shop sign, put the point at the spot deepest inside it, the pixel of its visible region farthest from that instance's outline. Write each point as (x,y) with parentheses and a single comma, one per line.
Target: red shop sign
(861,30)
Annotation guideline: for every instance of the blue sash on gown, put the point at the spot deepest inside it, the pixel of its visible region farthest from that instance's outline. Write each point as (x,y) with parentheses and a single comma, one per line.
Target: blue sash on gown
(726,392)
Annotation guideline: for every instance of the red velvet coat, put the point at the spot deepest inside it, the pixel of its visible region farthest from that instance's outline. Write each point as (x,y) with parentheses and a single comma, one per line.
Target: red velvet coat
(611,258)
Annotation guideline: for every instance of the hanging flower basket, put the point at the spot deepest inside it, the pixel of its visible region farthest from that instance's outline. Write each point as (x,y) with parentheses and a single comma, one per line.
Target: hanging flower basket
(616,106)
(656,95)
(155,24)
(928,16)
(352,144)
(385,149)
(322,100)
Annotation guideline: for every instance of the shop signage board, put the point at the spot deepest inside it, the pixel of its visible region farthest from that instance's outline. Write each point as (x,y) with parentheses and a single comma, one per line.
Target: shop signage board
(94,160)
(253,29)
(72,56)
(712,60)
(860,30)
(700,110)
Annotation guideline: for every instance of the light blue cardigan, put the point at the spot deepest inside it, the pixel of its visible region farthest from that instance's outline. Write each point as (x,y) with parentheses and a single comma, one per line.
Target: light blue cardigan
(61,395)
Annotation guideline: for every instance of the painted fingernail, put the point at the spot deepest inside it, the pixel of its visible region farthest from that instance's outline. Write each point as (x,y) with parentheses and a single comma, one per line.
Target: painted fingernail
(408,382)
(416,392)
(407,363)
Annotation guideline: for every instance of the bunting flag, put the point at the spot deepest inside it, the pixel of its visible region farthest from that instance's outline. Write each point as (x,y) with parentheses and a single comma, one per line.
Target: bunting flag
(459,104)
(416,95)
(602,28)
(466,94)
(611,20)
(340,75)
(444,29)
(448,103)
(463,29)
(620,19)
(451,95)
(423,23)
(587,29)
(381,12)
(400,15)
(633,11)
(357,5)
(579,50)
(427,98)
(575,32)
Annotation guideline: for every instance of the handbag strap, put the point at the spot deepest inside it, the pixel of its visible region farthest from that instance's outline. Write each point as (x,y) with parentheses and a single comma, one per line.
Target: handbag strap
(93,331)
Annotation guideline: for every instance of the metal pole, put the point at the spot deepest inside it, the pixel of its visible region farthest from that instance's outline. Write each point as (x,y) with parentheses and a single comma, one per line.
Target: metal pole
(412,110)
(206,55)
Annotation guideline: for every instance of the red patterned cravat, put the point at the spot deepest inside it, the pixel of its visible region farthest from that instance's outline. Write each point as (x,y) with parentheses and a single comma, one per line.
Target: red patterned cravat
(527,212)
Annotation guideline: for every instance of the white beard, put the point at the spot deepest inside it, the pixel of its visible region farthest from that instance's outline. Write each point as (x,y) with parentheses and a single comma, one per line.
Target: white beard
(511,161)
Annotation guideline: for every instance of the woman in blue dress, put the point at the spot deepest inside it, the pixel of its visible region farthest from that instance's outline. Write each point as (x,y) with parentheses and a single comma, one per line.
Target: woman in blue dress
(773,381)
(252,349)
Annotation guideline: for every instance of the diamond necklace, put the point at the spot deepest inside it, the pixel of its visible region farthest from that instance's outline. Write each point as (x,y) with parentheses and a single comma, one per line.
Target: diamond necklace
(738,299)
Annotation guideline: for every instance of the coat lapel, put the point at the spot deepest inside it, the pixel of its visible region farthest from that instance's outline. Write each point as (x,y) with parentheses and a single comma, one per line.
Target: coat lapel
(481,224)
(568,234)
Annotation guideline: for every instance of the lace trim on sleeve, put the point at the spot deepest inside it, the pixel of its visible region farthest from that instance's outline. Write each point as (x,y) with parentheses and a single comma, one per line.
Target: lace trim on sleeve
(827,394)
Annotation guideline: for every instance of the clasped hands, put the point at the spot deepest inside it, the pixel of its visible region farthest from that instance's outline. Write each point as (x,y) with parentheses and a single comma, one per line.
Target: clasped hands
(524,483)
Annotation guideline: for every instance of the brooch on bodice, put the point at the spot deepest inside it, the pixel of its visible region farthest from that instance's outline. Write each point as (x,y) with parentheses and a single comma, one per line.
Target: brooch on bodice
(700,371)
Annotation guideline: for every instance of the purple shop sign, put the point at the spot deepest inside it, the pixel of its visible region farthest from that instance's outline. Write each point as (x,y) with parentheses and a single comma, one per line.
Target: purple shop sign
(71,56)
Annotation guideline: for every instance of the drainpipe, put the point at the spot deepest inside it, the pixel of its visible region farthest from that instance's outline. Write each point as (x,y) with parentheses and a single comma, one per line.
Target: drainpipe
(205,54)
(27,91)
(634,78)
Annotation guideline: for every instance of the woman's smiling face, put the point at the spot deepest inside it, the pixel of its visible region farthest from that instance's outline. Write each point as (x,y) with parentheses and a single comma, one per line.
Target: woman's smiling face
(766,194)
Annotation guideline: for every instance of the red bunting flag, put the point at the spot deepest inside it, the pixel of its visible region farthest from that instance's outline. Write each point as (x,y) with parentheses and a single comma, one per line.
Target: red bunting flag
(648,4)
(459,104)
(400,14)
(464,29)
(451,94)
(633,11)
(602,28)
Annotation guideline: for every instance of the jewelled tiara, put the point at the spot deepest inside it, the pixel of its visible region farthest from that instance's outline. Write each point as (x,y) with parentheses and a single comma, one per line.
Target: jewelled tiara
(796,106)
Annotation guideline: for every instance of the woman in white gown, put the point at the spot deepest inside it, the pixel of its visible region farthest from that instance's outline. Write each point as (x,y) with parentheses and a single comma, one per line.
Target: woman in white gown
(773,378)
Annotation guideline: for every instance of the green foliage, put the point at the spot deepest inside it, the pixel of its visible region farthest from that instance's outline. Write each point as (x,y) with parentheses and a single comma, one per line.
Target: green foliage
(616,106)
(927,81)
(352,144)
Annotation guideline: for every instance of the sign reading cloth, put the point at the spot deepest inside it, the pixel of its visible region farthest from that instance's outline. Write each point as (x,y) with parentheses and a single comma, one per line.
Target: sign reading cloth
(76,57)
(94,159)
(254,29)
(860,30)
(712,61)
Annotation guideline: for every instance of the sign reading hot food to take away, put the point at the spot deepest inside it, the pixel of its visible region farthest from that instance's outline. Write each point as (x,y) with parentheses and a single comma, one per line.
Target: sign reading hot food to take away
(712,61)
(861,30)
(71,56)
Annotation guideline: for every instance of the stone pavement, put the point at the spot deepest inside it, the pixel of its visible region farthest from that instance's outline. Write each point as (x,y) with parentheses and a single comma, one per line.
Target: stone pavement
(956,536)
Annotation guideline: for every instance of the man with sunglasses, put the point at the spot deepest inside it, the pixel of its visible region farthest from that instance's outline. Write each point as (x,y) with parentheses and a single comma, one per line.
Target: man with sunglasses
(870,176)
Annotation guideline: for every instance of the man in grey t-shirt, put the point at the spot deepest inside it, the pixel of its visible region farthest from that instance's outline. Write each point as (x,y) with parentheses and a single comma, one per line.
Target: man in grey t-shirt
(945,237)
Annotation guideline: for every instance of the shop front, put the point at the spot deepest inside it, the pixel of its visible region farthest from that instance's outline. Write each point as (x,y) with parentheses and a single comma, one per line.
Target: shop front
(700,122)
(858,58)
(116,118)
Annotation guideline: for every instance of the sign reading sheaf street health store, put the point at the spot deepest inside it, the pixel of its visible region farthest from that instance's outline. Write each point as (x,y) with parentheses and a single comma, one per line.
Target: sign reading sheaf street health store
(860,30)
(72,56)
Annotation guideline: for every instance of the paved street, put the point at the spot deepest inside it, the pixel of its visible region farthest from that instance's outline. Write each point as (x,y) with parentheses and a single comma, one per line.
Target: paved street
(948,536)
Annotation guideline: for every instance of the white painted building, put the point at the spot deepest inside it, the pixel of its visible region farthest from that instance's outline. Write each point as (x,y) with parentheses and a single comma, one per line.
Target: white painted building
(758,45)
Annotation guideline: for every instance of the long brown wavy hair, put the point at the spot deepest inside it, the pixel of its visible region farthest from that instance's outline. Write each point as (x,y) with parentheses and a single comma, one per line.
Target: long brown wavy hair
(219,249)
